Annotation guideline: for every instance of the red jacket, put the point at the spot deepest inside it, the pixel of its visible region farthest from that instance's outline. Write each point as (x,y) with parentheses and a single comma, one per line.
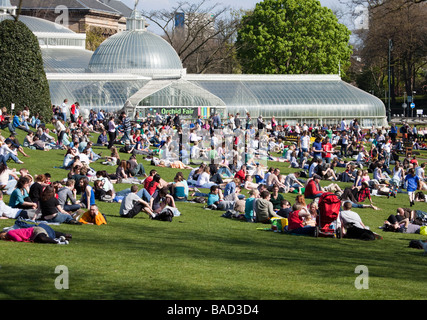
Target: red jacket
(241,175)
(311,189)
(294,220)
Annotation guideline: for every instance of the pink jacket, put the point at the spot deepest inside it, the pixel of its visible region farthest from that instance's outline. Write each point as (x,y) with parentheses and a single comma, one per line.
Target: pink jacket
(20,235)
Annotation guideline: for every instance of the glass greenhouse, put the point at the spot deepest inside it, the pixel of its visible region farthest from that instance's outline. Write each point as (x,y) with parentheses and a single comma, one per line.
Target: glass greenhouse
(140,73)
(294,98)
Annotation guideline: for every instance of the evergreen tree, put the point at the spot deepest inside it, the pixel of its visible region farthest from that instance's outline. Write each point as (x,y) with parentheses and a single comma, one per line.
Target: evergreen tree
(22,76)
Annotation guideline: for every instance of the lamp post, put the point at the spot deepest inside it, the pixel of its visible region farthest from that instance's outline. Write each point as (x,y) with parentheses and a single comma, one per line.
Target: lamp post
(404,104)
(413,99)
(390,47)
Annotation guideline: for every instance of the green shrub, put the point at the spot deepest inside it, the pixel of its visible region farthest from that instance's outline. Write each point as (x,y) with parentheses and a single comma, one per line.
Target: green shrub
(22,77)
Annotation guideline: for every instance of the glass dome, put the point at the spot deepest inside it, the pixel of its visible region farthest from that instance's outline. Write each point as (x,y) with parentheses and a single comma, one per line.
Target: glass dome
(135,51)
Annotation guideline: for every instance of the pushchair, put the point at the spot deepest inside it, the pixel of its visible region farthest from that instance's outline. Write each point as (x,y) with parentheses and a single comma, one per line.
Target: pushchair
(327,219)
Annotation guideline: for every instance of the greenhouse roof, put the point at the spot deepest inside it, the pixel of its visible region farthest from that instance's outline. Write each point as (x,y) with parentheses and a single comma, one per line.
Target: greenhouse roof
(291,90)
(39,25)
(66,60)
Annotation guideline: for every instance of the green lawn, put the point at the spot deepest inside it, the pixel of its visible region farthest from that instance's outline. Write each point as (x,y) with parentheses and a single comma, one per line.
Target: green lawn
(201,255)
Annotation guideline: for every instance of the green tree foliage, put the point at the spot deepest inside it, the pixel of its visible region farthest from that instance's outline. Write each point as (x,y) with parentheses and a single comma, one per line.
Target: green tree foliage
(292,37)
(22,77)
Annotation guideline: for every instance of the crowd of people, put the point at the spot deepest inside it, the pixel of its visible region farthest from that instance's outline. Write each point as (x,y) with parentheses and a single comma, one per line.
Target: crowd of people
(234,172)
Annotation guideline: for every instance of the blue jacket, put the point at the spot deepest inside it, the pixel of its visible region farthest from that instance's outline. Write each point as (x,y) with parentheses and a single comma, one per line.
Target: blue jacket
(16,121)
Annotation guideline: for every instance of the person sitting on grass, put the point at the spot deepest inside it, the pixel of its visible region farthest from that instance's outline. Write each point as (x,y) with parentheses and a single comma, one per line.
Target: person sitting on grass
(179,188)
(88,194)
(7,153)
(51,209)
(18,123)
(263,208)
(230,187)
(160,199)
(296,221)
(312,188)
(248,183)
(249,205)
(8,178)
(285,209)
(214,196)
(216,199)
(350,194)
(132,204)
(276,198)
(364,192)
(135,168)
(68,193)
(353,225)
(7,212)
(293,184)
(112,160)
(19,197)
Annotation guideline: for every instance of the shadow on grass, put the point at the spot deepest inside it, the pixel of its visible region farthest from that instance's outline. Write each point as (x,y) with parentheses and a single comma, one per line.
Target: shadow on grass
(183,263)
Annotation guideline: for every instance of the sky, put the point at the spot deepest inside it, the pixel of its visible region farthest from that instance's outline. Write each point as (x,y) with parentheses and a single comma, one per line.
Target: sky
(237,4)
(149,5)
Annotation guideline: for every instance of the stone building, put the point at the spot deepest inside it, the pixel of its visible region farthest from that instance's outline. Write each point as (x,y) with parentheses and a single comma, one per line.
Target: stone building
(80,15)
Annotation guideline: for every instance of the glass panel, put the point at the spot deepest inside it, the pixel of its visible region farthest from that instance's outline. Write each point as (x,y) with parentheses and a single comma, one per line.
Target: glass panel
(66,60)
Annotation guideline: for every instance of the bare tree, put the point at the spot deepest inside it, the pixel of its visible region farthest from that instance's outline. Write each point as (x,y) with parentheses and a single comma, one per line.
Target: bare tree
(402,24)
(372,4)
(18,11)
(202,34)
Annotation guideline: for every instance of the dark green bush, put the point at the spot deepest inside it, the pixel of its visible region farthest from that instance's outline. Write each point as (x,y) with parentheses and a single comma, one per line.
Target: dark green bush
(22,77)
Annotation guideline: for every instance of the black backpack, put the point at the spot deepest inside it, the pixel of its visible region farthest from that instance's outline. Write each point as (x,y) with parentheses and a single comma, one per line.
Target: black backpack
(416,244)
(420,196)
(165,215)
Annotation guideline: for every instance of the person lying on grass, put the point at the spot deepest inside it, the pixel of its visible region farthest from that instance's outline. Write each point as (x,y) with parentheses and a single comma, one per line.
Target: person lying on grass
(93,216)
(36,234)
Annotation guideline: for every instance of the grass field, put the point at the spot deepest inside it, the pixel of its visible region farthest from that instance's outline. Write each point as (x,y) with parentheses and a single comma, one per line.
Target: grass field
(202,256)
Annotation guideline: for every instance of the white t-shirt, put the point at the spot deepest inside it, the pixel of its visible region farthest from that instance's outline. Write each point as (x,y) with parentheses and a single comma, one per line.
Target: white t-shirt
(305,142)
(6,211)
(4,149)
(64,107)
(348,216)
(387,147)
(4,177)
(84,158)
(25,114)
(360,157)
(59,126)
(203,179)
